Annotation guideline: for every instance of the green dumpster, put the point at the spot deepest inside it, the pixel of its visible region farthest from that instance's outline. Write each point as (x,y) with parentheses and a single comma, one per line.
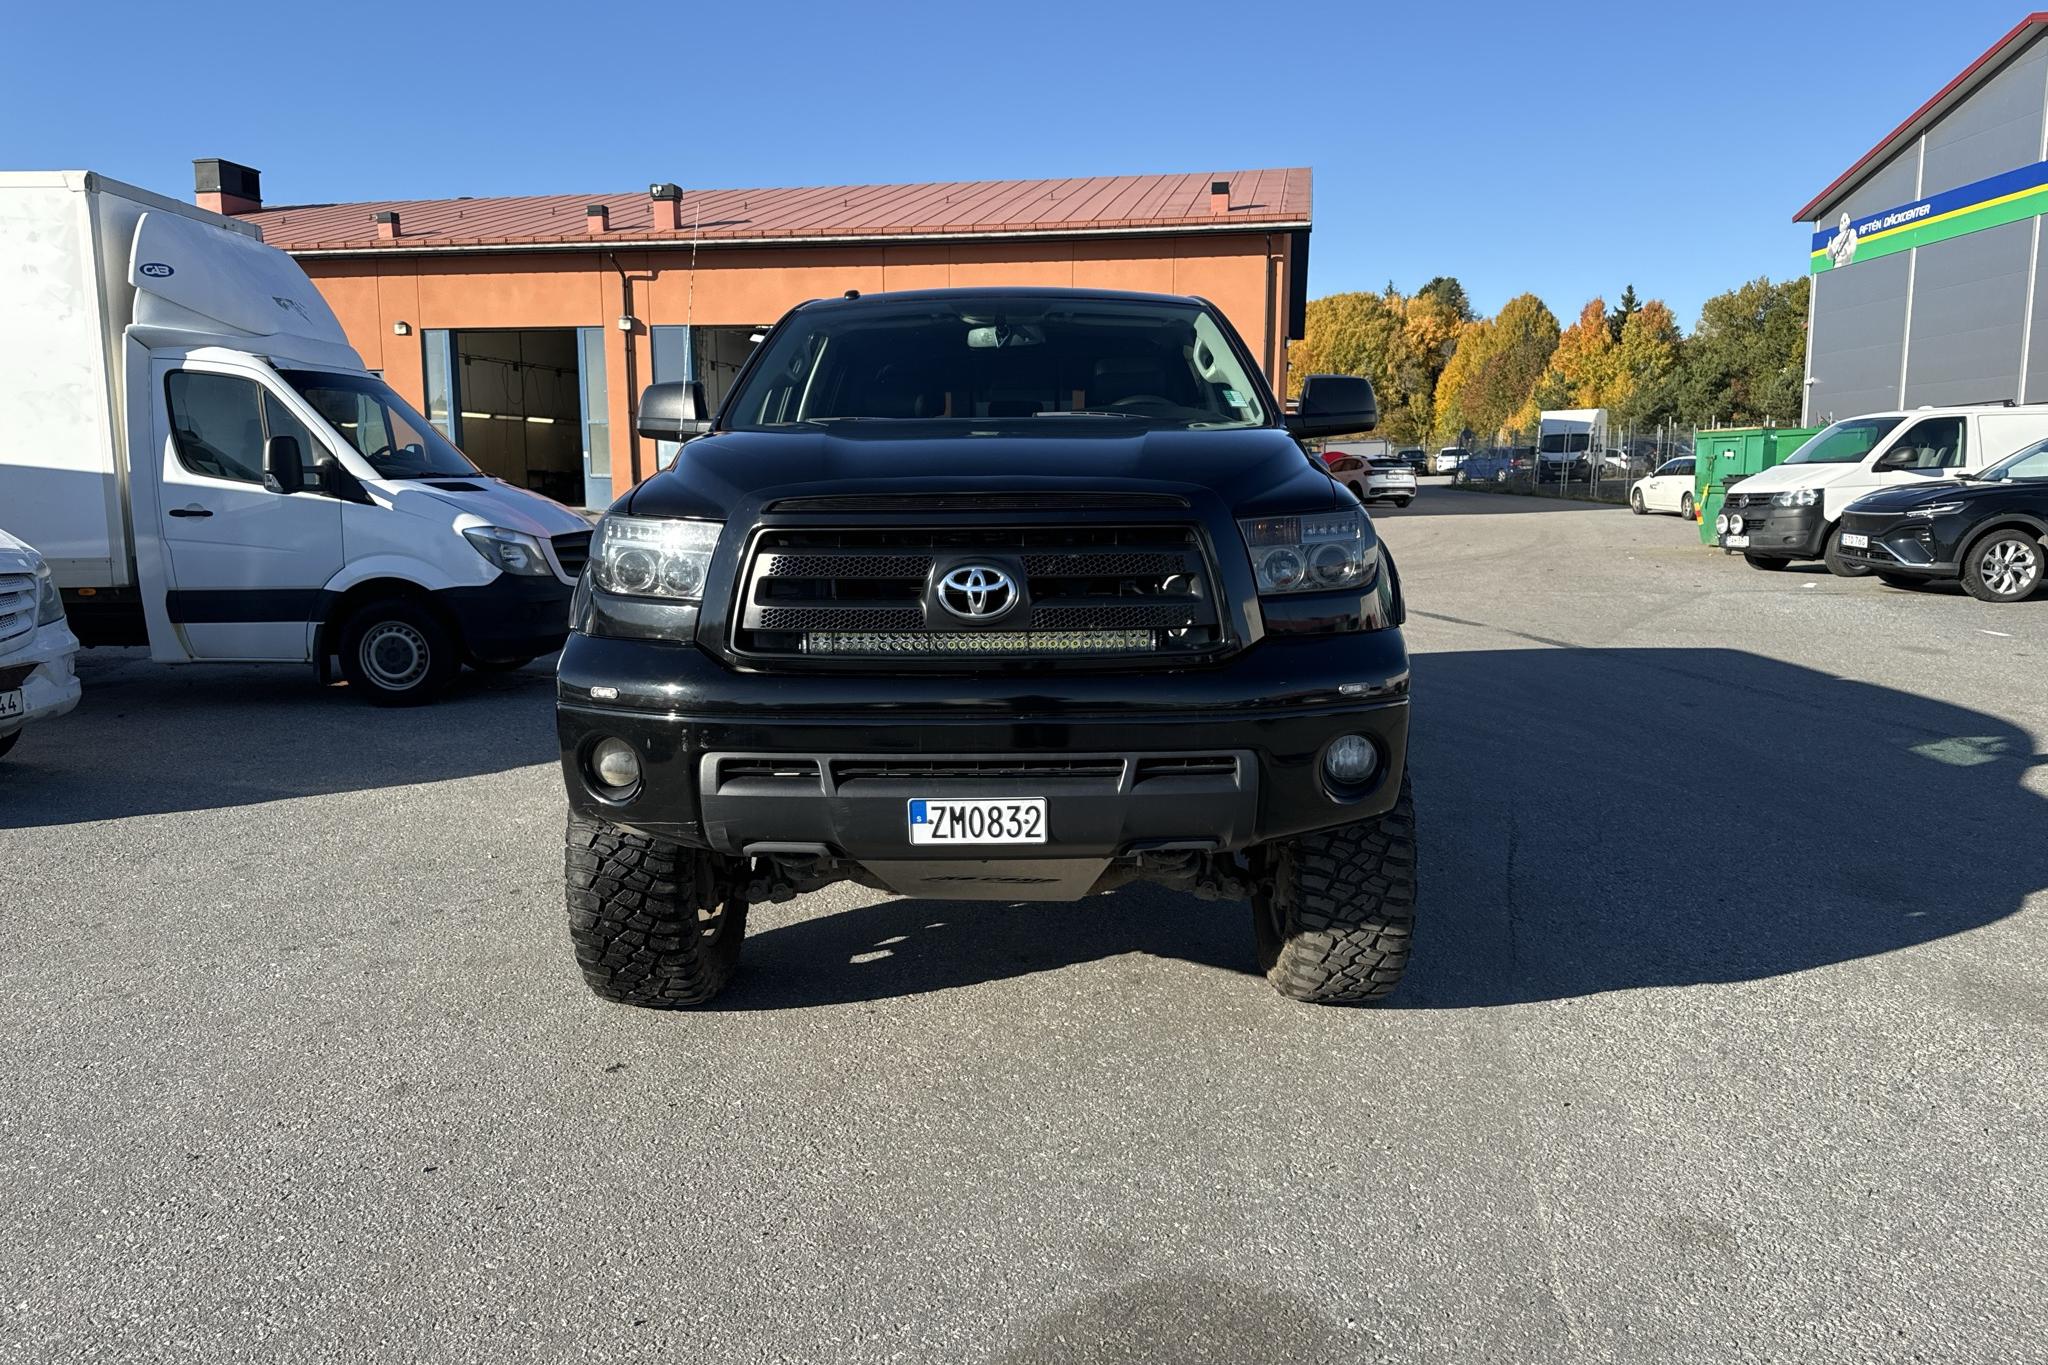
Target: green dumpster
(1727,454)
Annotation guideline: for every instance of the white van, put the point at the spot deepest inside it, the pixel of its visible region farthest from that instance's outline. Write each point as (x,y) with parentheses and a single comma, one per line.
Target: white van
(187,436)
(1794,510)
(36,645)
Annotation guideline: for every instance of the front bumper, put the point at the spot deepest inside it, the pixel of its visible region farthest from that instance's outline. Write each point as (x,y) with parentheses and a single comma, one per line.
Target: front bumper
(1778,532)
(42,669)
(1904,545)
(514,616)
(1197,760)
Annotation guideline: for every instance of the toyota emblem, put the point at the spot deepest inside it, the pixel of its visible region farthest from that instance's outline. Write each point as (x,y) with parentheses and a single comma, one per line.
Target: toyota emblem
(977,592)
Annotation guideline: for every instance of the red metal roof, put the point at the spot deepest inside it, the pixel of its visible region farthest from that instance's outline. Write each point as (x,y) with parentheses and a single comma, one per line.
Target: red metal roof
(957,208)
(1950,94)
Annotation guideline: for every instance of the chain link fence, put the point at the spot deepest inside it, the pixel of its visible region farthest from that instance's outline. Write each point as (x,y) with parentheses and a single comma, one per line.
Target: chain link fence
(1601,467)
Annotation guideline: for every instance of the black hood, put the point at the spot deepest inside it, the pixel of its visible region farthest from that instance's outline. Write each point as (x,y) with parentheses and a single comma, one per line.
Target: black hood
(1254,470)
(1918,494)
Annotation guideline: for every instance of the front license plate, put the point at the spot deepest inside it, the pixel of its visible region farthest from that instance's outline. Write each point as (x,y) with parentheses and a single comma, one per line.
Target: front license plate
(977,822)
(1854,541)
(1736,542)
(11,704)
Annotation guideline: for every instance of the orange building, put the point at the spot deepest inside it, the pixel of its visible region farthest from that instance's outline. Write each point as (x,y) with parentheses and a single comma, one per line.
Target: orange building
(526,327)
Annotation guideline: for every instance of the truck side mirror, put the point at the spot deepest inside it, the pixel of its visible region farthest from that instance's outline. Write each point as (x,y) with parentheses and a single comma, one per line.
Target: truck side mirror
(1334,405)
(673,412)
(281,463)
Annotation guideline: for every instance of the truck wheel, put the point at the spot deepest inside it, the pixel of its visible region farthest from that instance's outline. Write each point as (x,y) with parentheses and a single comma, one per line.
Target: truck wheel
(397,652)
(653,923)
(1840,567)
(2005,566)
(1771,562)
(1337,913)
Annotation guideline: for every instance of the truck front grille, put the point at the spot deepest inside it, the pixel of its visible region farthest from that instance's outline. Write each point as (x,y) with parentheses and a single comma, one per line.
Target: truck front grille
(17,608)
(864,592)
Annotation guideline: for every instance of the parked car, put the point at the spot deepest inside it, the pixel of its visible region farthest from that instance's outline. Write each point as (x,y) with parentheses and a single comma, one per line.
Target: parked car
(1383,480)
(1415,457)
(1794,510)
(1495,465)
(1990,530)
(36,644)
(970,656)
(1449,458)
(1666,489)
(213,472)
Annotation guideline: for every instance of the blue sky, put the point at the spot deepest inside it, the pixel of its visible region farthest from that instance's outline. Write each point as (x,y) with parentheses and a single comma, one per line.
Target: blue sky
(1566,150)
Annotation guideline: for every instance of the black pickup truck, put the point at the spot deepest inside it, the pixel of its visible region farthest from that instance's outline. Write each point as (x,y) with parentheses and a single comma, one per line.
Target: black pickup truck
(1017,594)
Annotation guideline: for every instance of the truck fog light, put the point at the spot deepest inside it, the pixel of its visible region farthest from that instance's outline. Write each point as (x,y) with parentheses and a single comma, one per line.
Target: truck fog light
(1350,760)
(1735,524)
(1721,524)
(614,764)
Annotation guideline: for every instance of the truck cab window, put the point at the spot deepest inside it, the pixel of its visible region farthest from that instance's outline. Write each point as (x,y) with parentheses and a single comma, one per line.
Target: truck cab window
(217,424)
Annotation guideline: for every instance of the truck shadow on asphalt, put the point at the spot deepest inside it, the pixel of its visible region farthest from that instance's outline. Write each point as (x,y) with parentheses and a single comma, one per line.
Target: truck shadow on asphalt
(148,739)
(1591,820)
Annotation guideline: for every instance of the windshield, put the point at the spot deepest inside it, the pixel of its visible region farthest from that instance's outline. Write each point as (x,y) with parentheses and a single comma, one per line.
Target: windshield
(384,428)
(999,359)
(2029,466)
(1844,442)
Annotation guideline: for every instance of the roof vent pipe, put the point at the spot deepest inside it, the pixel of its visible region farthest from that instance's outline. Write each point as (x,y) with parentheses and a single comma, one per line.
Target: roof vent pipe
(596,218)
(387,226)
(1219,196)
(226,186)
(668,206)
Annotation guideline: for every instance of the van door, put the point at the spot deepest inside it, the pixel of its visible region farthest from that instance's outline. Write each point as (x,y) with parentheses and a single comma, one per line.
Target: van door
(248,562)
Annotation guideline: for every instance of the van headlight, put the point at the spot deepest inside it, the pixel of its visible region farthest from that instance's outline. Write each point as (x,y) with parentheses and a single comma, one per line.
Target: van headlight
(1314,552)
(653,556)
(49,602)
(1796,497)
(512,551)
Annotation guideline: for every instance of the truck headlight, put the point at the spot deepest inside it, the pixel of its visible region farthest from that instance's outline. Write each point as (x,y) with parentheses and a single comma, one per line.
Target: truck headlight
(512,551)
(653,556)
(1314,552)
(1796,497)
(49,602)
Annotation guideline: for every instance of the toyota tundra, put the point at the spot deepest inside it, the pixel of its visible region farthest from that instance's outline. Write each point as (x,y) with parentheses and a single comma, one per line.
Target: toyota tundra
(1017,595)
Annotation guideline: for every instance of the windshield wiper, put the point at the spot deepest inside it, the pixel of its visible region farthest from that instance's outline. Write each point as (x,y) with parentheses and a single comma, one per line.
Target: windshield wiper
(1098,412)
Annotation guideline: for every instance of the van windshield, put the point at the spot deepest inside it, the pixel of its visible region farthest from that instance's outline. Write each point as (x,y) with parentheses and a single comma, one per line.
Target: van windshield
(1844,442)
(384,428)
(1001,358)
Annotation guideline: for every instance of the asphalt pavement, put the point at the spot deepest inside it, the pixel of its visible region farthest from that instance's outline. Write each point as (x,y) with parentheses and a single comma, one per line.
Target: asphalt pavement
(1723,1040)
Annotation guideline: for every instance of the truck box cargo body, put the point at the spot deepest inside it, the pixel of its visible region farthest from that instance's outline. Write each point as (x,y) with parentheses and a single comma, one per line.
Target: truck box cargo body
(190,441)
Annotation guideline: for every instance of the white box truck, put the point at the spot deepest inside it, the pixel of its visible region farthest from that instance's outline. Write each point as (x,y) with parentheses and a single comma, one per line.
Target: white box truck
(188,438)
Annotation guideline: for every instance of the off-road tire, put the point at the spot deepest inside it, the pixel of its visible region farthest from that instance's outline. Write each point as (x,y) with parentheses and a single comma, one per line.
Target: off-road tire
(1635,501)
(1769,562)
(411,626)
(653,923)
(1838,566)
(1978,563)
(1336,915)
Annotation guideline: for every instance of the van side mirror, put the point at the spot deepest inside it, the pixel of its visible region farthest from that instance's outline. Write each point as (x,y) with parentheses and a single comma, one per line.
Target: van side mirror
(1334,405)
(673,412)
(1902,458)
(281,461)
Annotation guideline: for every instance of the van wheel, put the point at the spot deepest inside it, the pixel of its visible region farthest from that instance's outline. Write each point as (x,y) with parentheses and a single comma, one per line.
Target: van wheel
(1335,916)
(2005,566)
(397,652)
(1838,566)
(653,923)
(1766,562)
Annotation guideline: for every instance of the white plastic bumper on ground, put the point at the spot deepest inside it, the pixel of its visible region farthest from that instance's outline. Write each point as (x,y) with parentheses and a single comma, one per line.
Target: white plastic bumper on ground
(51,687)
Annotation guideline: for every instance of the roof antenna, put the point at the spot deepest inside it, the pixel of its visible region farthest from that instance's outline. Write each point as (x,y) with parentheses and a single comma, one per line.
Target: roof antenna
(853,293)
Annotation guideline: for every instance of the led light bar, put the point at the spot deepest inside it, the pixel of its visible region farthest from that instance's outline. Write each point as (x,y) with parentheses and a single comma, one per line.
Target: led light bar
(979,641)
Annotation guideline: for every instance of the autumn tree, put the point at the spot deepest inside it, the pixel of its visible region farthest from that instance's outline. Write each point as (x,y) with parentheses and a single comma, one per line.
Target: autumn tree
(1746,360)
(1643,390)
(1399,342)
(1494,372)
